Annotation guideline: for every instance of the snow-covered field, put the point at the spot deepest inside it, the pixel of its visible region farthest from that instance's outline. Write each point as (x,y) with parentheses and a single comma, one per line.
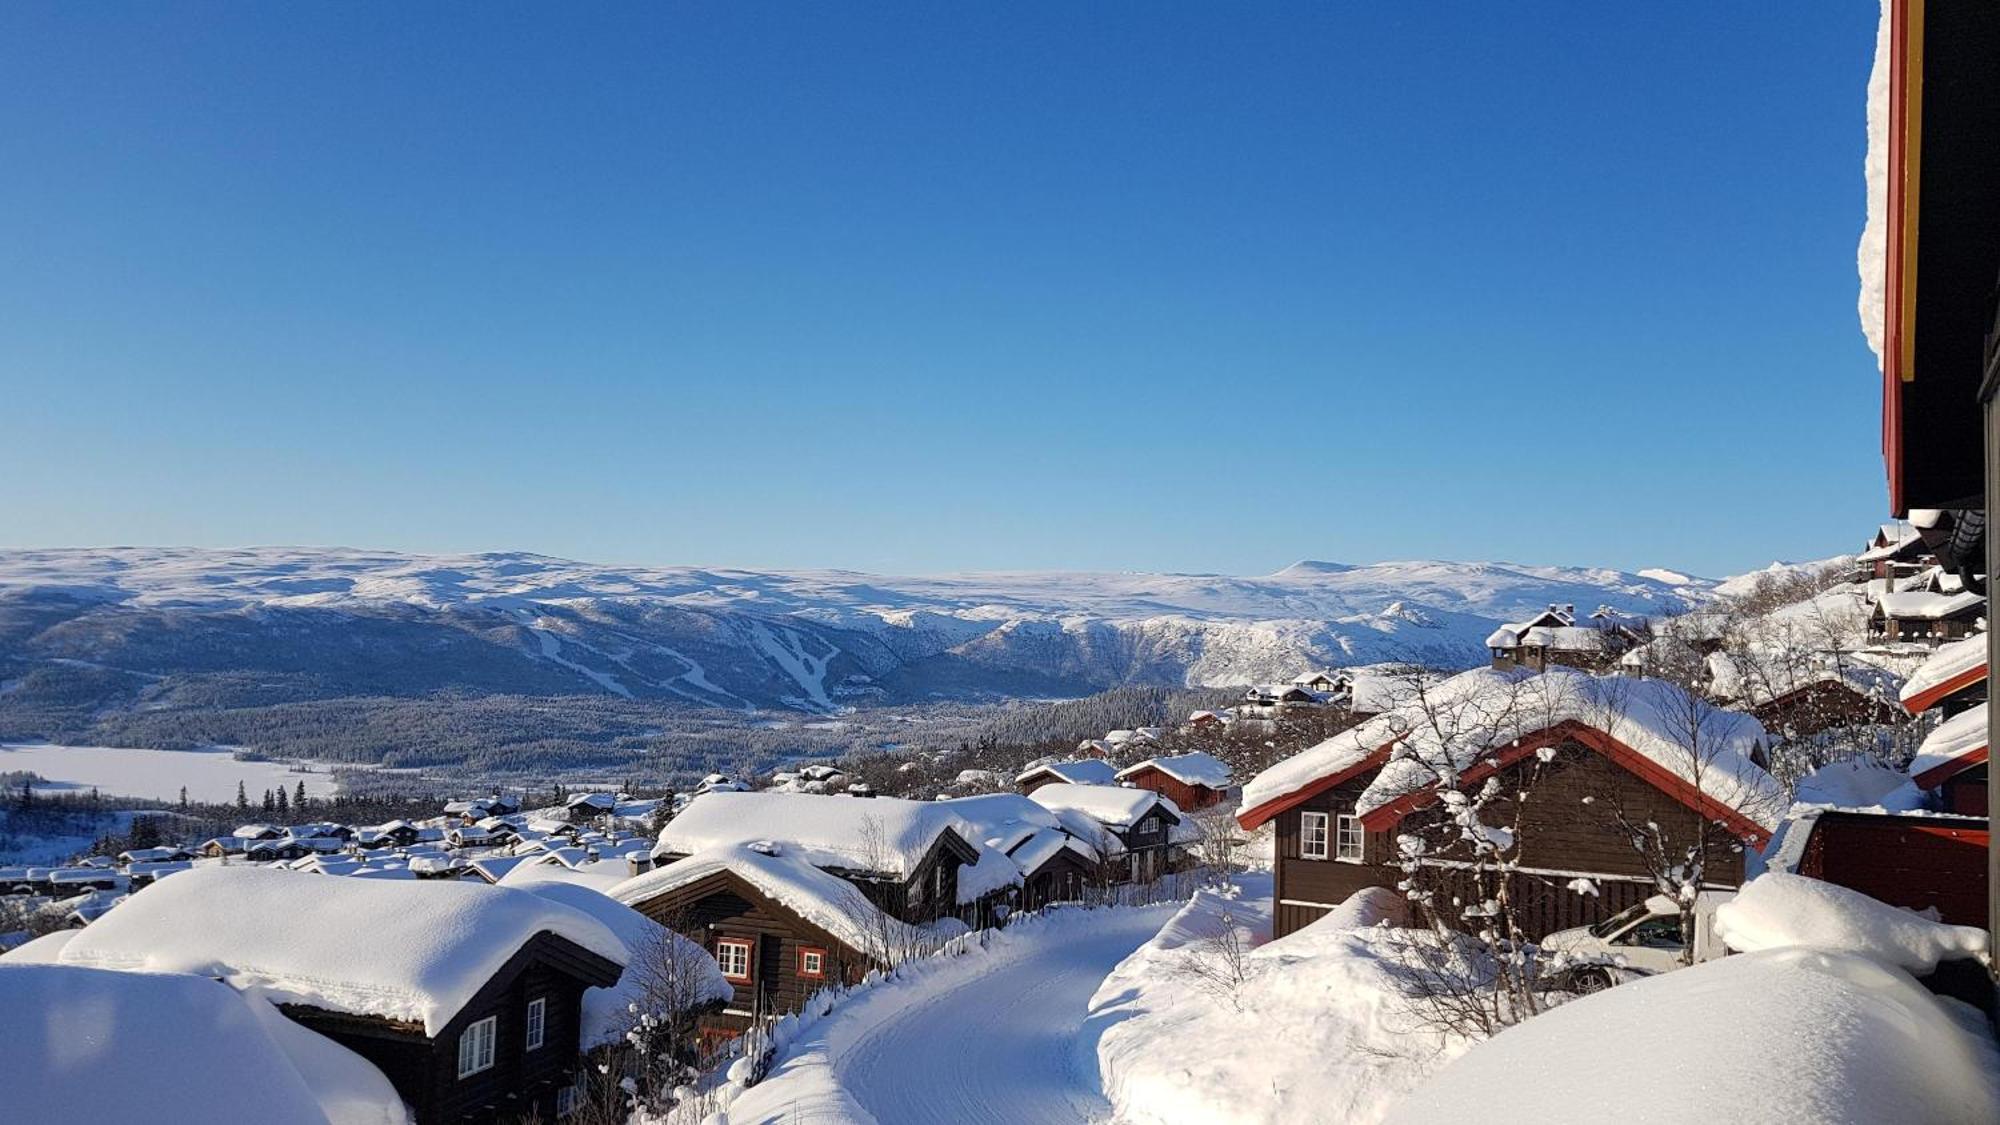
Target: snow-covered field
(209,775)
(1002,1035)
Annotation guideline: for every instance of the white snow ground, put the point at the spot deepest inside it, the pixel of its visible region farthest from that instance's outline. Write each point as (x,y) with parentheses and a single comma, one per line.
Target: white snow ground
(1001,1035)
(122,771)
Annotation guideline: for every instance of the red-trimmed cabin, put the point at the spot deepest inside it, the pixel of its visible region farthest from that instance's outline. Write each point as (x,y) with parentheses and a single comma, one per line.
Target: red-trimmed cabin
(1917,862)
(1325,850)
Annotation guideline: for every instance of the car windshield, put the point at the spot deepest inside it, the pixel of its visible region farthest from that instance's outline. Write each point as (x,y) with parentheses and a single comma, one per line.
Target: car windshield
(1620,920)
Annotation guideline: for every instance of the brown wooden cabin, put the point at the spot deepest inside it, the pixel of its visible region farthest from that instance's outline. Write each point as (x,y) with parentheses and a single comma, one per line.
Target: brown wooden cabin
(1062,877)
(1186,796)
(927,893)
(1325,851)
(548,970)
(1824,704)
(1916,862)
(773,956)
(1888,623)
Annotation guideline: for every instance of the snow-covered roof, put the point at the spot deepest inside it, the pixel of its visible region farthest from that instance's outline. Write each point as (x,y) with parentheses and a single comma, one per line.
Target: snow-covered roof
(1458,721)
(1922,605)
(788,878)
(1889,542)
(88,1044)
(1084,771)
(1761,677)
(649,947)
(1787,1035)
(1951,668)
(1958,744)
(403,951)
(1110,805)
(885,835)
(1043,844)
(1189,769)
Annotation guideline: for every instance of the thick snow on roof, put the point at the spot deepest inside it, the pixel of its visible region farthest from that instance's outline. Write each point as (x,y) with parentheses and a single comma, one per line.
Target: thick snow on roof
(607,1012)
(1858,784)
(1189,769)
(1949,662)
(1960,737)
(1458,721)
(400,950)
(827,901)
(1777,910)
(886,835)
(87,1044)
(1922,605)
(1040,847)
(1783,1036)
(1085,771)
(1485,711)
(1763,676)
(1112,805)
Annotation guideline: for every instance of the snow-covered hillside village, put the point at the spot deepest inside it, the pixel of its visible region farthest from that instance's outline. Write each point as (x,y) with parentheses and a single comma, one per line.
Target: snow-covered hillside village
(449,835)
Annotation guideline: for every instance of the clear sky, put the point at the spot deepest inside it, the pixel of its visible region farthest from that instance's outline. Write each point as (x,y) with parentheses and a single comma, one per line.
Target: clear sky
(1131,286)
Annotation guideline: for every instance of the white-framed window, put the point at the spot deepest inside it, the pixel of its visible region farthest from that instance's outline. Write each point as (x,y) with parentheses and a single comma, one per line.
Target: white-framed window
(1313,830)
(538,1021)
(475,1047)
(1349,841)
(734,958)
(812,962)
(565,1101)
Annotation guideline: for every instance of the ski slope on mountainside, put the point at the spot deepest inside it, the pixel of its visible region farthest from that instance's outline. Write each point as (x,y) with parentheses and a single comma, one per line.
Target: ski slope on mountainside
(83,626)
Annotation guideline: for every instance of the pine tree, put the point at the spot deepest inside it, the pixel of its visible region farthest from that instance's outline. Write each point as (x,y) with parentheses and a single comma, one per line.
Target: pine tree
(299,798)
(270,802)
(184,798)
(284,802)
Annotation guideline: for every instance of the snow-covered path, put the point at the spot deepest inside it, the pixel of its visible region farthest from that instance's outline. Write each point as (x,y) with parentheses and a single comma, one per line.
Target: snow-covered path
(999,1037)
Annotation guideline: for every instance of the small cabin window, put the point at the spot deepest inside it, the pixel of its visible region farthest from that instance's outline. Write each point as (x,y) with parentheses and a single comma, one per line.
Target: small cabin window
(1312,835)
(812,962)
(538,1022)
(475,1047)
(1349,842)
(734,958)
(565,1101)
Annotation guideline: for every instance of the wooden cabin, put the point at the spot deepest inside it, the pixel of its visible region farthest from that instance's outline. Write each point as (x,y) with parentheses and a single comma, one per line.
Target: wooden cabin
(1925,617)
(904,855)
(1920,863)
(780,928)
(1191,781)
(1134,830)
(1951,765)
(477,1020)
(1337,813)
(1084,771)
(1825,704)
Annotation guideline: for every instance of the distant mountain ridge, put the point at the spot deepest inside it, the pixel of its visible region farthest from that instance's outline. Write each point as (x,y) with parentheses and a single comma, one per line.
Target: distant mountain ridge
(148,622)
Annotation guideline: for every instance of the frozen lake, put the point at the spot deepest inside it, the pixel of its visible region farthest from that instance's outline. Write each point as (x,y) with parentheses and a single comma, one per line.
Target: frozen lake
(210,775)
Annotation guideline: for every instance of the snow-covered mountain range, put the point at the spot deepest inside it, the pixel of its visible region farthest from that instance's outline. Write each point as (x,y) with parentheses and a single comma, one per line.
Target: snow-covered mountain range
(338,621)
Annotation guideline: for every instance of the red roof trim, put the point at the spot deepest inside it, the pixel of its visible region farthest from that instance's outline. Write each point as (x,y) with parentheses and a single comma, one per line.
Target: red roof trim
(1253,818)
(1924,701)
(1745,829)
(1944,771)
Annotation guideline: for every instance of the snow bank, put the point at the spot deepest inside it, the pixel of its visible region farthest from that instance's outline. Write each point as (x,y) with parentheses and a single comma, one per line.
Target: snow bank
(400,950)
(1782,1037)
(1316,1032)
(1777,910)
(886,835)
(607,1012)
(1858,785)
(92,1045)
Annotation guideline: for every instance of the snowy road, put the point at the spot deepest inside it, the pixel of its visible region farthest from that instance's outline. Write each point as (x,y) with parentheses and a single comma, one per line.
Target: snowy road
(995,1038)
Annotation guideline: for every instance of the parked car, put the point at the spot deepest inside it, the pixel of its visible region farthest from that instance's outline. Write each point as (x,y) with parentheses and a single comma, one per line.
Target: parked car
(1639,941)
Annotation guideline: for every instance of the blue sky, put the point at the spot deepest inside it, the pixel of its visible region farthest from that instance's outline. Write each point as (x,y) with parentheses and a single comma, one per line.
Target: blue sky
(1131,286)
